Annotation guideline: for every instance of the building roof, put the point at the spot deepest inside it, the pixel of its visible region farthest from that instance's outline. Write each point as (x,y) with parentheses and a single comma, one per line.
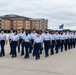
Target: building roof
(14,17)
(38,19)
(17,17)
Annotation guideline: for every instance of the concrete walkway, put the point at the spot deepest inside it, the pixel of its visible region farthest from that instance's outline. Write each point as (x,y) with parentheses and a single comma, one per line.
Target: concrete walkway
(60,64)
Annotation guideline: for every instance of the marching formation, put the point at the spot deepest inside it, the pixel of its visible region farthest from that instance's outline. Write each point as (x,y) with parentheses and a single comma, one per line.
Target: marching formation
(35,42)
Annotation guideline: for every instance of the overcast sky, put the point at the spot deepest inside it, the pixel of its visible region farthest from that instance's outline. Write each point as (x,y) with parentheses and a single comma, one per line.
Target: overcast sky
(56,11)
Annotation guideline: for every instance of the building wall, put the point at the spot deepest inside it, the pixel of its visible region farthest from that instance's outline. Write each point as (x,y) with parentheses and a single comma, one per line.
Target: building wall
(5,24)
(39,24)
(18,24)
(36,24)
(26,24)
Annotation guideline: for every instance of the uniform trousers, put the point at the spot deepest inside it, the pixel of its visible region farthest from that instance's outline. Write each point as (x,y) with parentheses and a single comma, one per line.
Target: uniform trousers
(2,47)
(33,48)
(27,45)
(14,53)
(46,46)
(20,41)
(73,43)
(68,44)
(30,49)
(65,44)
(38,47)
(11,46)
(22,50)
(52,47)
(57,46)
(62,44)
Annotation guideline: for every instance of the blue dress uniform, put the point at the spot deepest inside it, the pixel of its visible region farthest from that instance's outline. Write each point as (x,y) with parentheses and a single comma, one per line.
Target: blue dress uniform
(62,41)
(10,38)
(66,41)
(22,43)
(57,39)
(15,39)
(46,43)
(3,39)
(38,42)
(27,45)
(52,43)
(33,36)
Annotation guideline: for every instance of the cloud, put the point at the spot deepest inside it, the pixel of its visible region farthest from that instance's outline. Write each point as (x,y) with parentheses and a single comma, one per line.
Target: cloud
(56,11)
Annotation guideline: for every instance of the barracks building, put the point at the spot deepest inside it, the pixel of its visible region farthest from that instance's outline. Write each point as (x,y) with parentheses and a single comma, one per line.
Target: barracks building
(17,22)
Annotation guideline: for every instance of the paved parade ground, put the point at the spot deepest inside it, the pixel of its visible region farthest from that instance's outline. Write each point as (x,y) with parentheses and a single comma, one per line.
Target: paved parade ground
(60,64)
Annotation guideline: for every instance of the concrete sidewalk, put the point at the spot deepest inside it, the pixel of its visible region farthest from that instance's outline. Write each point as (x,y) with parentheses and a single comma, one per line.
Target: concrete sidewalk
(60,64)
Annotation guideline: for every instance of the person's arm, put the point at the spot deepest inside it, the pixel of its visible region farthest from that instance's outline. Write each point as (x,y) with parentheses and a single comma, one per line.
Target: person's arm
(50,41)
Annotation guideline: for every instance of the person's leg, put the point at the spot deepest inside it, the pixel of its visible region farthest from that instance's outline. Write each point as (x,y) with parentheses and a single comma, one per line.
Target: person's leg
(66,45)
(2,47)
(16,43)
(40,51)
(19,47)
(30,49)
(13,49)
(47,48)
(71,43)
(22,51)
(27,50)
(34,53)
(10,48)
(52,48)
(61,46)
(57,47)
(74,43)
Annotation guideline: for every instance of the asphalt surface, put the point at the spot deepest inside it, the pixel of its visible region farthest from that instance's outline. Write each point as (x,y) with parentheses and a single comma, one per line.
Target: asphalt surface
(59,64)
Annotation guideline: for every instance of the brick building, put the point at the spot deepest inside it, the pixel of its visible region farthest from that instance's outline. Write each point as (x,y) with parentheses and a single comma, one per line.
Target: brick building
(17,22)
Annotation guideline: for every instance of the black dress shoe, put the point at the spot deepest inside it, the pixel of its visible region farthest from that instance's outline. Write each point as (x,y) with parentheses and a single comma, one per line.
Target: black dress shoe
(25,57)
(33,55)
(12,56)
(22,54)
(10,53)
(0,55)
(36,58)
(46,56)
(15,56)
(18,51)
(3,55)
(40,52)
